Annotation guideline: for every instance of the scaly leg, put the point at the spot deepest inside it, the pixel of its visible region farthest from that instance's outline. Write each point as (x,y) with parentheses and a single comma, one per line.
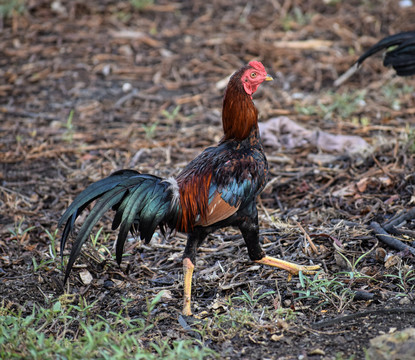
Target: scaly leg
(187,285)
(292,268)
(194,240)
(250,231)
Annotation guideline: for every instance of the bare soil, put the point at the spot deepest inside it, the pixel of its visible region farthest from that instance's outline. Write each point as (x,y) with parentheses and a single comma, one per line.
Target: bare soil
(142,87)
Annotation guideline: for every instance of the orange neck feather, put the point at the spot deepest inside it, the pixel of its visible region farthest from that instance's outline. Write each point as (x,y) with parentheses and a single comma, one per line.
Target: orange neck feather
(239,114)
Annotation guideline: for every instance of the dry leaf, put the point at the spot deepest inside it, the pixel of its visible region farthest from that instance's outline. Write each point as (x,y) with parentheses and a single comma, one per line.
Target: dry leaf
(85,276)
(277,337)
(392,260)
(117,282)
(166,295)
(362,184)
(282,324)
(317,352)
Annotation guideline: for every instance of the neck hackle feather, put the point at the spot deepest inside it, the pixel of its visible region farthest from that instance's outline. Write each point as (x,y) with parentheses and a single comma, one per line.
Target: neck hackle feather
(239,114)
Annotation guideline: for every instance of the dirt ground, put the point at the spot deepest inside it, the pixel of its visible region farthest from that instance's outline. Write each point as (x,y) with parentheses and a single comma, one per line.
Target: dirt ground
(87,88)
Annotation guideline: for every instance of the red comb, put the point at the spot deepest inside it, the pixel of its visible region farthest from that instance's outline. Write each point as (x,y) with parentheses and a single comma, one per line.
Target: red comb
(257,66)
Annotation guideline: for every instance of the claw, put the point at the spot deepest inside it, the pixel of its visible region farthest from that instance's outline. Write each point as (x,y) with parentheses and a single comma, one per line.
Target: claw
(307,269)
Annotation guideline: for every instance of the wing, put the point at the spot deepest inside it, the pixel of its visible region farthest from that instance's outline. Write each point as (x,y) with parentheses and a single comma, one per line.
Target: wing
(220,182)
(218,210)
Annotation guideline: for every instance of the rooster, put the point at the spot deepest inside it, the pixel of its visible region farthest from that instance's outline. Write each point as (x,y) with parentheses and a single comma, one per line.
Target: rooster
(217,189)
(400,55)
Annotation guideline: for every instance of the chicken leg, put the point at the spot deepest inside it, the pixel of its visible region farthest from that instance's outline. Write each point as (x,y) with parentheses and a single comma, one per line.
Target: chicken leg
(250,232)
(187,285)
(292,268)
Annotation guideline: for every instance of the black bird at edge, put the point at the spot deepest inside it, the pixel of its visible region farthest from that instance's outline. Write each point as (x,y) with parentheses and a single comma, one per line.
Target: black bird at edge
(400,55)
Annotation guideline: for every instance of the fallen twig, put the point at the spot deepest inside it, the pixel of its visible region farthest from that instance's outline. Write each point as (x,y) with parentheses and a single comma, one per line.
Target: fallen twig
(390,240)
(390,226)
(324,323)
(308,238)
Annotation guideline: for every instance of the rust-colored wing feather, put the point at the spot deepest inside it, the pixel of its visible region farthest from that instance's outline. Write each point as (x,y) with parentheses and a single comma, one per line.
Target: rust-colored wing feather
(218,210)
(219,182)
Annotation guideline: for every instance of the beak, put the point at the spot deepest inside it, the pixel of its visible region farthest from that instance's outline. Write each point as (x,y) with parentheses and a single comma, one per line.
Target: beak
(268,78)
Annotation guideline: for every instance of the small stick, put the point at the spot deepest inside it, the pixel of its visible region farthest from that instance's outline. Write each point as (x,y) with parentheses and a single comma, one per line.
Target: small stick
(390,225)
(390,240)
(355,316)
(346,75)
(313,247)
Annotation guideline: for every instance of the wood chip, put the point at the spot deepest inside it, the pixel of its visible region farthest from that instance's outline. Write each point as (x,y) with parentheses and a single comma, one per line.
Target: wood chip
(86,277)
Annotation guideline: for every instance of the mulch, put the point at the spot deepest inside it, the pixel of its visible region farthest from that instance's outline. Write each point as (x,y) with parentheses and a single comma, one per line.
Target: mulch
(90,88)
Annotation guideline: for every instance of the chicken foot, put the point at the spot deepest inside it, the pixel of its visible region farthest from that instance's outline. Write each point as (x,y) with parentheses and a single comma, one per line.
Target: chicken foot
(292,268)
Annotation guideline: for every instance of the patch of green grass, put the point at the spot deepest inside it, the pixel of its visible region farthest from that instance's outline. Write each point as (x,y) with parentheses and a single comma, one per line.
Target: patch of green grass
(353,273)
(150,130)
(251,312)
(10,7)
(405,281)
(332,2)
(335,106)
(340,356)
(52,254)
(360,121)
(325,291)
(73,331)
(141,4)
(332,290)
(19,232)
(171,115)
(410,139)
(295,18)
(286,314)
(95,237)
(225,326)
(394,91)
(307,110)
(343,105)
(253,297)
(69,132)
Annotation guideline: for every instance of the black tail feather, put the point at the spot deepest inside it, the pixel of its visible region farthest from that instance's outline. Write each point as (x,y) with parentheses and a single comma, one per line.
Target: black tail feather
(103,204)
(142,202)
(402,58)
(135,196)
(86,197)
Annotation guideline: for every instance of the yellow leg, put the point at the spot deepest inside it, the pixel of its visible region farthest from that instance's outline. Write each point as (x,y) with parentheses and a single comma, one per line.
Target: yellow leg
(187,285)
(292,268)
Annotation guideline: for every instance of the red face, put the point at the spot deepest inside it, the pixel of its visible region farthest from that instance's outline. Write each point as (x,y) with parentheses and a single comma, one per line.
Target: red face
(254,76)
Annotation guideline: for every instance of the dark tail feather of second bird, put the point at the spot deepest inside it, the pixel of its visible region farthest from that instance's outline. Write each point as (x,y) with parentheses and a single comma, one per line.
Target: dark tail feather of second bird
(401,58)
(141,203)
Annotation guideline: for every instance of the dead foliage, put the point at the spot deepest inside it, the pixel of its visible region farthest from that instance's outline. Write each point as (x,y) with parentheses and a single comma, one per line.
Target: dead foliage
(89,88)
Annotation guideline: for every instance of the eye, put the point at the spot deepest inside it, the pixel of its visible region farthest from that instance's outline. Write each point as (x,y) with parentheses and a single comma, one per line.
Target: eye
(253,74)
